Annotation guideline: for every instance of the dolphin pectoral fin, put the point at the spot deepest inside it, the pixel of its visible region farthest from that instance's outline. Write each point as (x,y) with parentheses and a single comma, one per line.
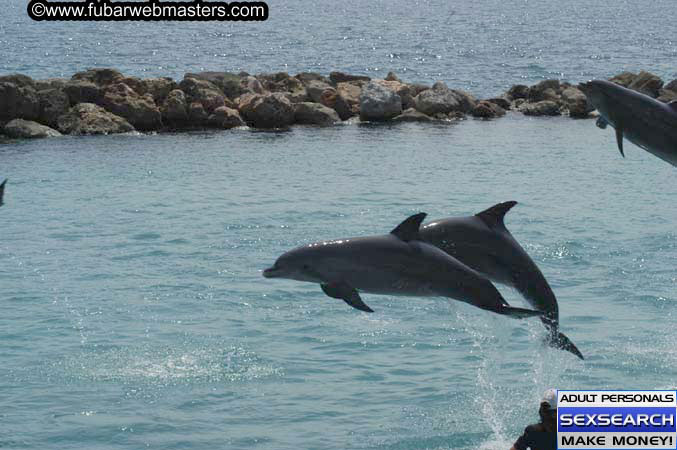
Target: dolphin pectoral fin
(518,313)
(494,216)
(346,293)
(619,139)
(561,341)
(2,190)
(408,229)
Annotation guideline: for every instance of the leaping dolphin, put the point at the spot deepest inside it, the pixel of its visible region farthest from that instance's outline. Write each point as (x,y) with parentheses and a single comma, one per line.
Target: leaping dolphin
(644,121)
(398,263)
(2,191)
(483,243)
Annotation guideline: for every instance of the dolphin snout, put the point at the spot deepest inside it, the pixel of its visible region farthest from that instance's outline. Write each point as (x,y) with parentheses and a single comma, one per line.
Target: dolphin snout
(271,272)
(585,87)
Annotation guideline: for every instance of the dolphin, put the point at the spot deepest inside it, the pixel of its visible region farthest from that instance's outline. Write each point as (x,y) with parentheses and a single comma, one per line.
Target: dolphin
(2,191)
(398,263)
(644,121)
(483,243)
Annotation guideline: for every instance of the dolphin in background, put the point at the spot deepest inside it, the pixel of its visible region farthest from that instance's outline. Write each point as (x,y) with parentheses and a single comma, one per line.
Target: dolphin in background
(483,243)
(644,121)
(2,191)
(398,263)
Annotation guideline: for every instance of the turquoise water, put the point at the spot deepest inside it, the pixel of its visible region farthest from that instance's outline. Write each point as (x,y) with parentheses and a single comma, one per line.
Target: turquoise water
(135,313)
(134,310)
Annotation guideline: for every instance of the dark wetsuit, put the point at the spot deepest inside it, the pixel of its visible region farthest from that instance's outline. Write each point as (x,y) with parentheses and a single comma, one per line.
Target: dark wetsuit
(535,437)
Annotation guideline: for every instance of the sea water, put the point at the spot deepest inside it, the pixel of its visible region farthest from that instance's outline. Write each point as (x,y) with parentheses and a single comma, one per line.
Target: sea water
(134,313)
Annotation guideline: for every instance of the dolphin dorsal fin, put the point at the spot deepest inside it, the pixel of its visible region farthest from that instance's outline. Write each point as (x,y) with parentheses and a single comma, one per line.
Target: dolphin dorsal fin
(493,216)
(408,229)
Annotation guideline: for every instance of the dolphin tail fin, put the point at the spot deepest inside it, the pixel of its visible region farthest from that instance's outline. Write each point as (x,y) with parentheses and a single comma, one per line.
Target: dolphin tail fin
(518,313)
(562,342)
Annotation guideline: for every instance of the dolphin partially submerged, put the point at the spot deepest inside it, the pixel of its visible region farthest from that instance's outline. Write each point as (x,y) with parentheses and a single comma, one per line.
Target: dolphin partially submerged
(644,121)
(2,191)
(398,263)
(483,243)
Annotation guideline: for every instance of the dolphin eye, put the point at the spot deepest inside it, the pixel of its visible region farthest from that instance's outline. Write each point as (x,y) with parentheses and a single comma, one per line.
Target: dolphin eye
(306,267)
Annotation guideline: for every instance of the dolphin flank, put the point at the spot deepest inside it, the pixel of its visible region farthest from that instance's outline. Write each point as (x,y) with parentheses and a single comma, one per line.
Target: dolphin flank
(398,263)
(644,121)
(483,243)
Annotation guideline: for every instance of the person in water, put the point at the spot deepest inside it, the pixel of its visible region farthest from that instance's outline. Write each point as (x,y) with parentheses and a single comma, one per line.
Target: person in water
(542,435)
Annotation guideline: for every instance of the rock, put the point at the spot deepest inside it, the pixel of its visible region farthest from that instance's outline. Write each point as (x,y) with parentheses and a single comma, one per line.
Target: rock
(18,79)
(53,104)
(307,77)
(340,77)
(487,110)
(411,115)
(519,102)
(447,117)
(328,97)
(205,92)
(228,83)
(416,88)
(667,96)
(345,99)
(350,92)
(135,83)
(315,88)
(308,113)
(624,79)
(442,100)
(576,102)
(391,77)
(197,115)
(252,84)
(18,102)
(100,77)
(297,95)
(518,91)
(20,128)
(159,88)
(83,91)
(139,110)
(550,94)
(542,108)
(401,89)
(344,110)
(267,111)
(647,83)
(500,101)
(88,118)
(293,89)
(671,86)
(468,101)
(545,90)
(174,109)
(272,78)
(379,103)
(224,117)
(50,83)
